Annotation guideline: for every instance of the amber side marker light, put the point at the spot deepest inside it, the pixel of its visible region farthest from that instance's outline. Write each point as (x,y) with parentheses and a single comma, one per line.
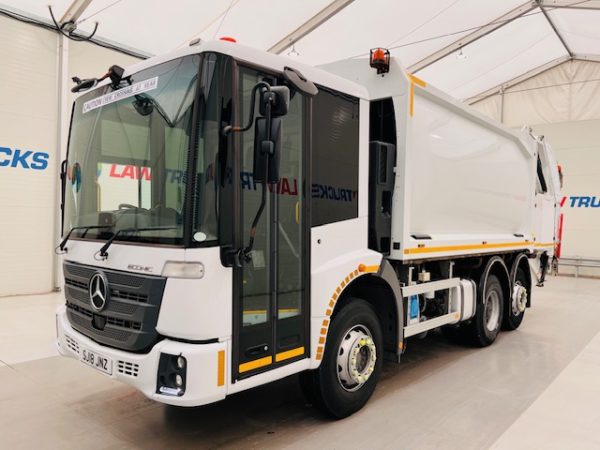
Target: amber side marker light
(380,60)
(228,39)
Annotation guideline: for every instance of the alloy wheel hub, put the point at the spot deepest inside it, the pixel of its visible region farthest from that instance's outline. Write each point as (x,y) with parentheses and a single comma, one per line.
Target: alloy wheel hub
(519,300)
(356,358)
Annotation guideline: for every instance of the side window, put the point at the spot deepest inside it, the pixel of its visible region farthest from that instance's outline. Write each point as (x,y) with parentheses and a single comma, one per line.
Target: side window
(334,194)
(541,186)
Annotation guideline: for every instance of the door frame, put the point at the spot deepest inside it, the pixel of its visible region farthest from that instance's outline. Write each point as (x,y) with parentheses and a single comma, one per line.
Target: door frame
(239,239)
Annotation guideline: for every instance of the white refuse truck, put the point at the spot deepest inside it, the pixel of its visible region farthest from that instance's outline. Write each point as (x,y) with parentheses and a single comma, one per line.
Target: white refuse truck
(232,217)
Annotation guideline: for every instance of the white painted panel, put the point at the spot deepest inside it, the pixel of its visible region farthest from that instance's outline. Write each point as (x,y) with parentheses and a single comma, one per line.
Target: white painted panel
(465,178)
(199,309)
(27,128)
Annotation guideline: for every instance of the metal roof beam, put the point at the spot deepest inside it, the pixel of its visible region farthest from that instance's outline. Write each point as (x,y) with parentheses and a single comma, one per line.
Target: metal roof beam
(521,78)
(475,35)
(571,4)
(314,22)
(74,11)
(586,57)
(553,26)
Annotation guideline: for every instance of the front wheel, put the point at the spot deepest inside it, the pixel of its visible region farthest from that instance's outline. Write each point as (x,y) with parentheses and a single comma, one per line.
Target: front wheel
(351,363)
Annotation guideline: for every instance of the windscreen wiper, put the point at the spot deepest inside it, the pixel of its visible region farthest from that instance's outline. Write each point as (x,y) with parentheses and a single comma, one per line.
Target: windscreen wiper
(84,227)
(103,251)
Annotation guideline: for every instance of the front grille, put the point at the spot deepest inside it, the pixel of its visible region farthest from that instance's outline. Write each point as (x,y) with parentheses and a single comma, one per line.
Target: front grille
(79,284)
(140,298)
(128,368)
(128,320)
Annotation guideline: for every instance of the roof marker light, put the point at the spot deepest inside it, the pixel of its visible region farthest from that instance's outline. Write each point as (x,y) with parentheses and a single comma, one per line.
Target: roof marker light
(227,39)
(380,60)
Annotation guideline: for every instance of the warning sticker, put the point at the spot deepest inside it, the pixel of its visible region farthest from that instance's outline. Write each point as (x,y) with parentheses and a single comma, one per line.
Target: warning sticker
(129,91)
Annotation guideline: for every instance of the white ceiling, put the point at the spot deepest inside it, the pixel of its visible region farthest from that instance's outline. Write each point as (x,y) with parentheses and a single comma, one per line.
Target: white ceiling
(412,30)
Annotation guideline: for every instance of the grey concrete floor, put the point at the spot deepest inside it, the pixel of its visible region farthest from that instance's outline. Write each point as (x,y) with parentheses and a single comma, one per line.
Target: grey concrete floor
(441,396)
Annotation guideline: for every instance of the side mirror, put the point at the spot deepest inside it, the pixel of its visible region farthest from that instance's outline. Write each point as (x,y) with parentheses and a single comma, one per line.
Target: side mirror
(63,185)
(279,97)
(267,150)
(274,103)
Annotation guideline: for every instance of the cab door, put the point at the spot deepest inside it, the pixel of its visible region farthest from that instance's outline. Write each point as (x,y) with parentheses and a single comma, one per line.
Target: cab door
(270,304)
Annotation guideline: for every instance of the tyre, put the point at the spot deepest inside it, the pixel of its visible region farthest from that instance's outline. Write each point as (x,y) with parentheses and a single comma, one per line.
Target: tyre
(486,323)
(456,334)
(351,363)
(515,308)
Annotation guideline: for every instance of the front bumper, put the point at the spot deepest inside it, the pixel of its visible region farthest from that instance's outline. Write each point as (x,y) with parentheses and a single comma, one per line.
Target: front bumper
(207,373)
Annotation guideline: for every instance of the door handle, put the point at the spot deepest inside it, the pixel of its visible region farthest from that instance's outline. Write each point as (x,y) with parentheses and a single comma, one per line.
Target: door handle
(257,350)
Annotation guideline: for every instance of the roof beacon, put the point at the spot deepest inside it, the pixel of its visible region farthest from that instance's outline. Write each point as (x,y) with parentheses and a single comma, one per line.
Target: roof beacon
(380,60)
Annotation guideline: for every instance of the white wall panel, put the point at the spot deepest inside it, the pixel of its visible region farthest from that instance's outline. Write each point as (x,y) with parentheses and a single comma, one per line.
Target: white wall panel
(491,107)
(28,111)
(577,149)
(568,92)
(28,128)
(88,60)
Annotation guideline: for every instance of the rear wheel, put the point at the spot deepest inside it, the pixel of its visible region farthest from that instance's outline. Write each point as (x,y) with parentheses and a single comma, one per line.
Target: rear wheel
(485,325)
(513,316)
(351,363)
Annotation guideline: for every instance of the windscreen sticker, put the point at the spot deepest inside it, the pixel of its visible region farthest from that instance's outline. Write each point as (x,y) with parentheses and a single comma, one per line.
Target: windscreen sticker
(128,91)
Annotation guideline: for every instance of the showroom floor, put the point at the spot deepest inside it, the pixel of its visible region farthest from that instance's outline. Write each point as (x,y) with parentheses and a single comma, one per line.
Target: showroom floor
(537,387)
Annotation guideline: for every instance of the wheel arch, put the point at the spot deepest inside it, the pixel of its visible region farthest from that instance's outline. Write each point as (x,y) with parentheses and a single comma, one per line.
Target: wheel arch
(381,290)
(496,266)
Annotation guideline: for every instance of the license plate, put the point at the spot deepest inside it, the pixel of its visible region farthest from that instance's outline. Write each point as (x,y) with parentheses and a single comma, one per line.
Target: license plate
(97,361)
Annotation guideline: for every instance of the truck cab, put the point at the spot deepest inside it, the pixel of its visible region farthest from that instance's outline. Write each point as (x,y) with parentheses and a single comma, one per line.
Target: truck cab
(150,170)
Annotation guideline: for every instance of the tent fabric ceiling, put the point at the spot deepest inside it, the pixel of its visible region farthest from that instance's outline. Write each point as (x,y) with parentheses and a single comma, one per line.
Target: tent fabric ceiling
(412,30)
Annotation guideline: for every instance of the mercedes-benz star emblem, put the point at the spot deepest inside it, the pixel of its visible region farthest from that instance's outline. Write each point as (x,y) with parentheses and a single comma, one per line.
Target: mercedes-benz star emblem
(98,291)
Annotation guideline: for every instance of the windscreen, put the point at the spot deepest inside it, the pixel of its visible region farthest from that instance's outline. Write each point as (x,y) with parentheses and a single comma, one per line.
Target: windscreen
(128,157)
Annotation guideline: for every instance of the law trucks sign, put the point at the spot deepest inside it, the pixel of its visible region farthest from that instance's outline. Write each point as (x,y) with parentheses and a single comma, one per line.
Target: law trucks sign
(15,158)
(580,201)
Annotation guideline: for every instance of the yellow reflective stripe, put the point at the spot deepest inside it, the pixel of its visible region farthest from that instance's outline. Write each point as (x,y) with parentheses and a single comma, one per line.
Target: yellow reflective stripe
(251,365)
(264,311)
(411,107)
(289,354)
(411,92)
(450,248)
(416,80)
(221,368)
(547,244)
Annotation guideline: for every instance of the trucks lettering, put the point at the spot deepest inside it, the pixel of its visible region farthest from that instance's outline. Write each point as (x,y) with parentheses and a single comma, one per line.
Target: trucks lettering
(583,201)
(28,159)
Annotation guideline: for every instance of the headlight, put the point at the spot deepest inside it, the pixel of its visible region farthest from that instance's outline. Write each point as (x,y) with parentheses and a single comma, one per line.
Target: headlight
(178,269)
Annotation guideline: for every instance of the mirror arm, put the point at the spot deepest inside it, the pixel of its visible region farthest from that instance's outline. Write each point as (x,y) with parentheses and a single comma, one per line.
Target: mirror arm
(229,128)
(245,252)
